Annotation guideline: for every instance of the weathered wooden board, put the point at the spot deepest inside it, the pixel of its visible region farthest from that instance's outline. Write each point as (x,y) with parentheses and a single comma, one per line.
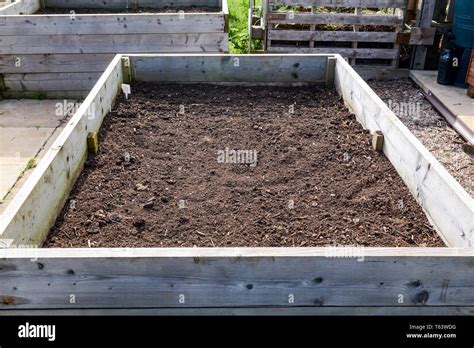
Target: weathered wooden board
(27,219)
(252,311)
(128,3)
(341,3)
(47,95)
(229,68)
(51,81)
(112,24)
(365,53)
(235,277)
(54,63)
(447,205)
(64,44)
(332,18)
(349,36)
(21,7)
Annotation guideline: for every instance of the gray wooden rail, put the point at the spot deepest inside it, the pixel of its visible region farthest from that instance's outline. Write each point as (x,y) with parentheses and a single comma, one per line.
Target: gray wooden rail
(306,280)
(63,55)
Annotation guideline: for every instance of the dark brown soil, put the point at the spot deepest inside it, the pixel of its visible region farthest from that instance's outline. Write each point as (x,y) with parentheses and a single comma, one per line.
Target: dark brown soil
(194,9)
(157,180)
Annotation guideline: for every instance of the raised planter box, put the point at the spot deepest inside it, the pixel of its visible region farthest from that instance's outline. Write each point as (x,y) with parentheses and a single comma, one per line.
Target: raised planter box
(239,280)
(53,53)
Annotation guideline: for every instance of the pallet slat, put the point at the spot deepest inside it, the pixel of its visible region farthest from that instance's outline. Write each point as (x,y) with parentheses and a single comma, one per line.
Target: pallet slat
(305,35)
(341,3)
(333,18)
(361,53)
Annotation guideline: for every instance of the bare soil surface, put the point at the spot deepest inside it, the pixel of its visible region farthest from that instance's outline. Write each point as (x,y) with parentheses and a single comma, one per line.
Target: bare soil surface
(159,180)
(193,9)
(406,99)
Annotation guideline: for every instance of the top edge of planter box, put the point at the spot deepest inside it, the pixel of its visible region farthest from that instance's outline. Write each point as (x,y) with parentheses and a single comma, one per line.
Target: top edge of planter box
(19,21)
(446,204)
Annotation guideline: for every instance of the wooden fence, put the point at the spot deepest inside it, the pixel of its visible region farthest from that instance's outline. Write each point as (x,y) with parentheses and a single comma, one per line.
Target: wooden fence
(367,32)
(64,55)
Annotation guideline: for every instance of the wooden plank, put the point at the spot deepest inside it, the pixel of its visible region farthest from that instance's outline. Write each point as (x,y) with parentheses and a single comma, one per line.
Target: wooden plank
(259,311)
(51,81)
(27,219)
(446,204)
(10,94)
(112,24)
(422,36)
(333,18)
(366,53)
(127,3)
(306,35)
(341,3)
(229,68)
(20,7)
(54,63)
(424,18)
(236,277)
(65,44)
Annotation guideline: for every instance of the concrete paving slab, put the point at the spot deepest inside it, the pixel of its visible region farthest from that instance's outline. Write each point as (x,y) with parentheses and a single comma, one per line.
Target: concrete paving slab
(448,100)
(27,129)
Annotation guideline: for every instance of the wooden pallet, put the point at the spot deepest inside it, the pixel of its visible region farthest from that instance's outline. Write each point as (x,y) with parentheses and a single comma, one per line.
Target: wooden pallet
(364,37)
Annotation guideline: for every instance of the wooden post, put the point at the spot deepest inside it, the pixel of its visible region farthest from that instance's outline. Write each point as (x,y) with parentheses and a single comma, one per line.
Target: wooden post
(423,20)
(331,66)
(93,143)
(127,70)
(377,141)
(355,28)
(312,27)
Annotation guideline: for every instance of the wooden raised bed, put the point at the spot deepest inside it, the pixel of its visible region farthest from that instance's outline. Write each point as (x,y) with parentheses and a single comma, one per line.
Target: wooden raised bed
(56,53)
(238,280)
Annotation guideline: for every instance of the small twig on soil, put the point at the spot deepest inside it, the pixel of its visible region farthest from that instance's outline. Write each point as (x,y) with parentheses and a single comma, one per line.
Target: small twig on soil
(212,242)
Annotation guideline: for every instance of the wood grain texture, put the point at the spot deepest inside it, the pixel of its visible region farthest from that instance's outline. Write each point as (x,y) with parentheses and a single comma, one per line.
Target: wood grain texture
(262,277)
(128,3)
(54,63)
(341,3)
(112,24)
(79,44)
(365,53)
(348,36)
(229,68)
(332,18)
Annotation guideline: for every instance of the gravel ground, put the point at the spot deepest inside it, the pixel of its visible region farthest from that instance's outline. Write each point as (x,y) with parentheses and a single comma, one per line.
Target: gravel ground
(406,99)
